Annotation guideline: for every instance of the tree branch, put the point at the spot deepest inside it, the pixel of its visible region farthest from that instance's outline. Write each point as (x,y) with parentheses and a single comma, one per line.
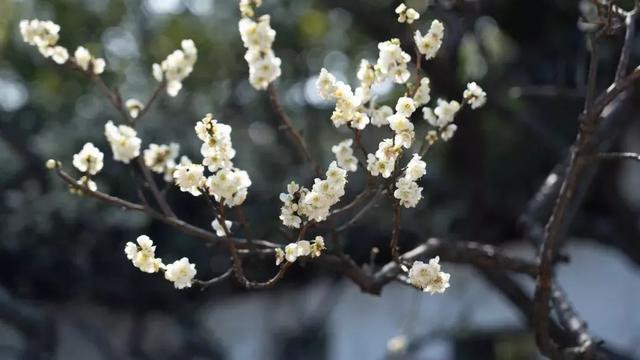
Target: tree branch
(295,135)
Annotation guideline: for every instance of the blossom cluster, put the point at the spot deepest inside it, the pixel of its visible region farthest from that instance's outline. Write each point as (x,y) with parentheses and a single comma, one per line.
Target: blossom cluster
(406,14)
(300,248)
(348,108)
(257,37)
(428,277)
(161,159)
(89,160)
(44,34)
(344,155)
(176,67)
(314,204)
(125,144)
(429,44)
(87,62)
(143,256)
(407,190)
(227,184)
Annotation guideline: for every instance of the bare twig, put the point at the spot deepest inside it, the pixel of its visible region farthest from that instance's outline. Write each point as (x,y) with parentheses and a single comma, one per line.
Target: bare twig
(581,156)
(294,134)
(151,183)
(206,283)
(360,213)
(151,100)
(395,233)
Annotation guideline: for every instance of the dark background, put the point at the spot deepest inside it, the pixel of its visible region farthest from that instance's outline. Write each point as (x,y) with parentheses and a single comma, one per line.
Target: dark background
(56,248)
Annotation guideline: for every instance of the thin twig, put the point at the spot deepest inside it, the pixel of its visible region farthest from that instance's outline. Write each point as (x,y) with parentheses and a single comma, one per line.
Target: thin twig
(151,183)
(360,213)
(152,99)
(206,283)
(395,233)
(294,134)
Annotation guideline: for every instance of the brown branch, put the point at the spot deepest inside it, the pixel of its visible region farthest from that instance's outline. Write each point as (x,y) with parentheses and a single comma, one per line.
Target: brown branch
(152,99)
(581,156)
(360,213)
(244,225)
(235,255)
(468,252)
(395,234)
(294,134)
(206,283)
(556,221)
(151,184)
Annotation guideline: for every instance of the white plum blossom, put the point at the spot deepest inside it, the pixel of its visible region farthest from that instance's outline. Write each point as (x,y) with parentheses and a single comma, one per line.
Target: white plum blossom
(229,186)
(304,248)
(406,14)
(301,248)
(317,245)
(190,178)
(217,227)
(326,84)
(313,204)
(348,106)
(143,255)
(176,67)
(474,95)
(431,137)
(291,252)
(125,145)
(383,161)
(446,111)
(247,7)
(58,54)
(344,155)
(280,257)
(380,115)
(289,210)
(392,61)
(86,61)
(429,44)
(217,149)
(428,277)
(359,121)
(407,192)
(423,94)
(89,160)
(416,168)
(403,128)
(44,35)
(85,181)
(134,106)
(161,158)
(405,106)
(429,116)
(448,132)
(367,76)
(180,273)
(258,37)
